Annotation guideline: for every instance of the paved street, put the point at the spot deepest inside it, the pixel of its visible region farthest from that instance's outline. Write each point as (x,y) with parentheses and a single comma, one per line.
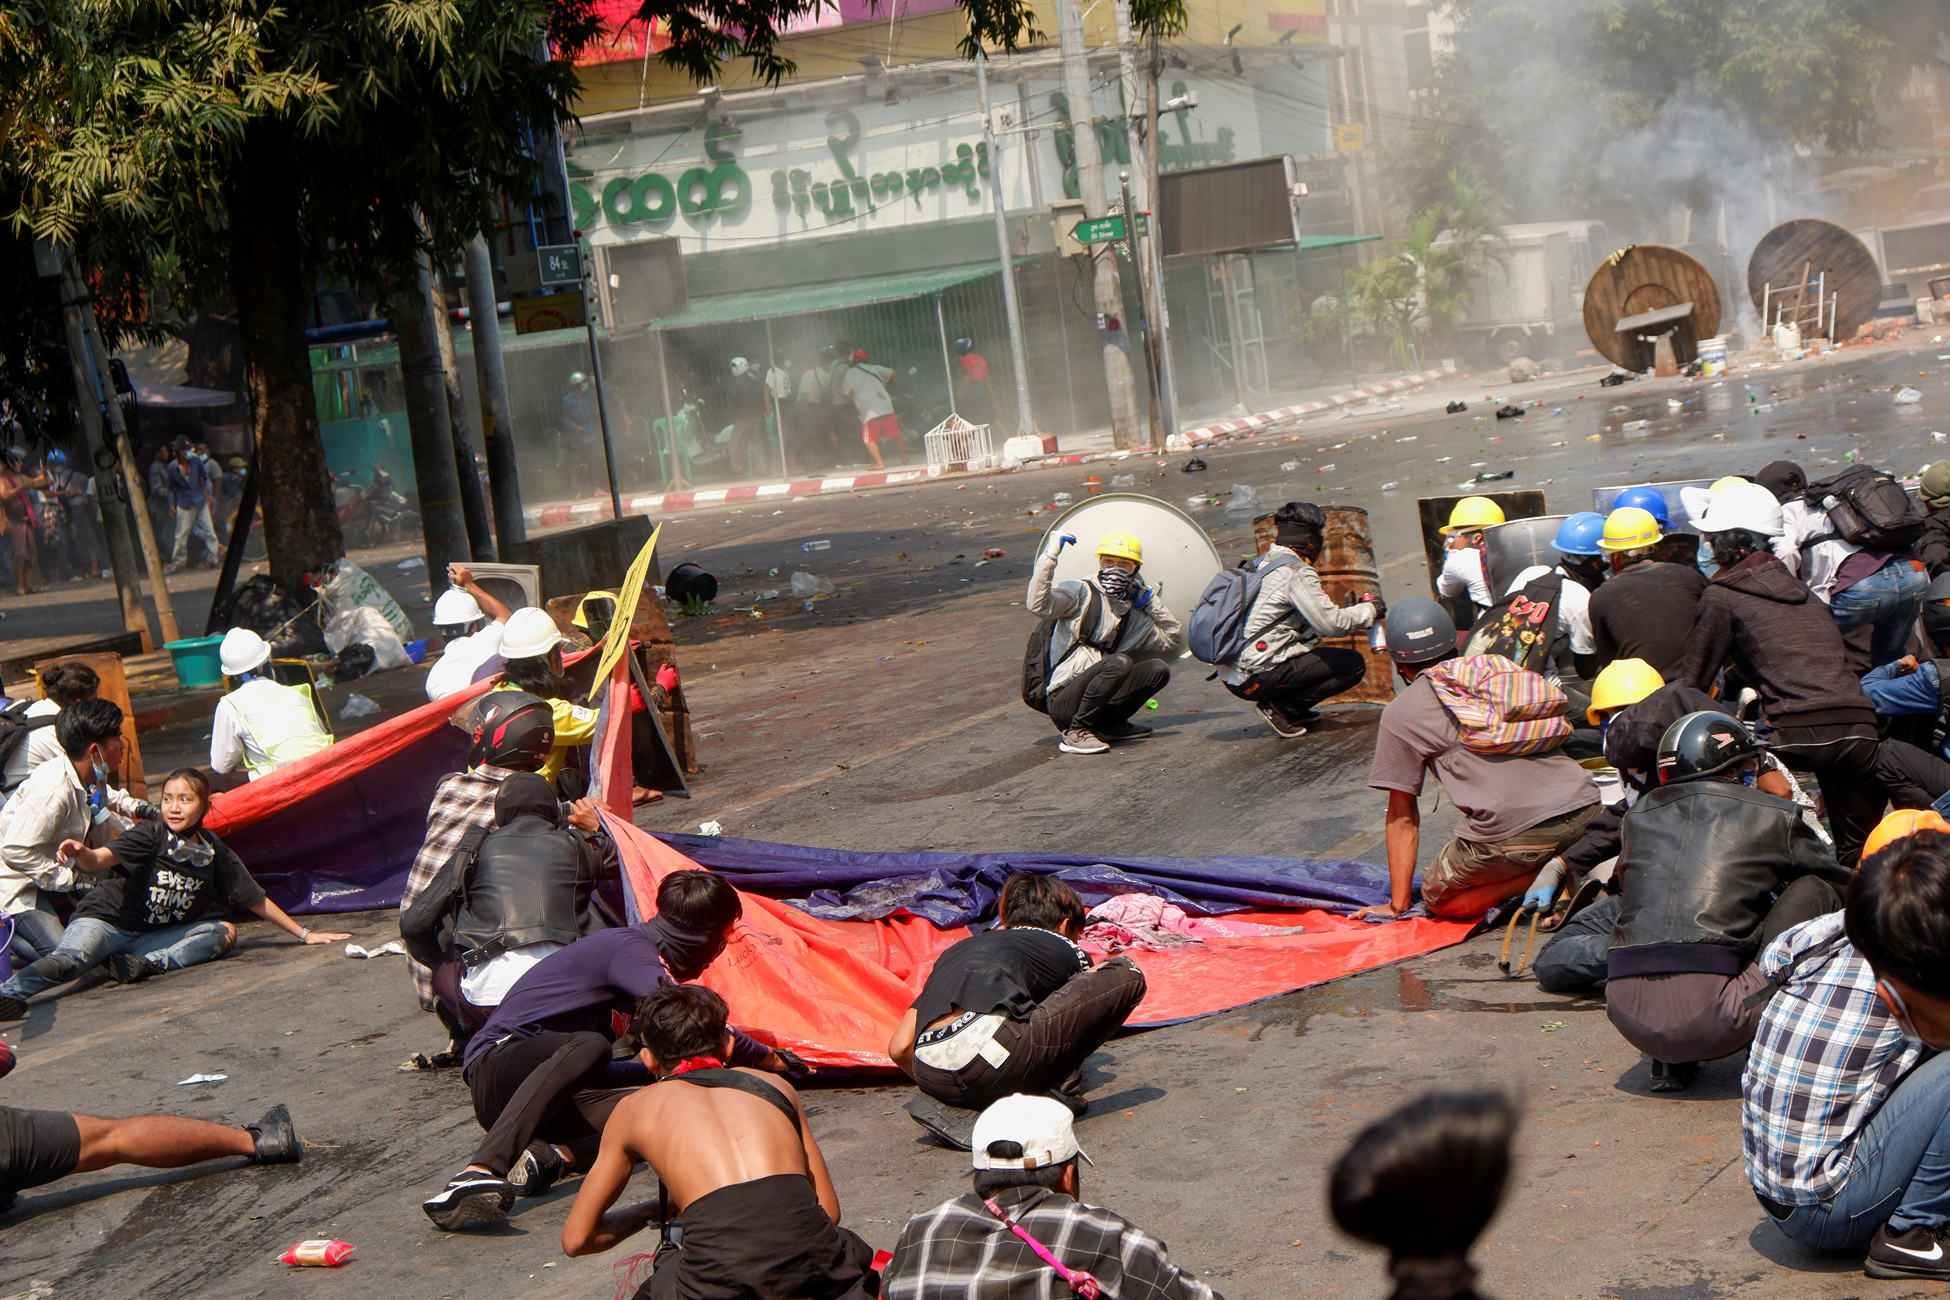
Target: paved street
(886,717)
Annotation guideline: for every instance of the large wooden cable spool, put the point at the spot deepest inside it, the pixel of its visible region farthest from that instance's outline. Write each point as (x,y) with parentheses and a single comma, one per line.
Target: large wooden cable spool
(1799,252)
(1642,279)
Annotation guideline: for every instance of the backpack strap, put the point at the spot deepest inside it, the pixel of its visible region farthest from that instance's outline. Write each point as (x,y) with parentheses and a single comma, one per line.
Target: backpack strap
(1761,996)
(739,1081)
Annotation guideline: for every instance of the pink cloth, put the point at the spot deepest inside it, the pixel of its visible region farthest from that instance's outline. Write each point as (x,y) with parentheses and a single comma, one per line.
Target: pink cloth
(1148,923)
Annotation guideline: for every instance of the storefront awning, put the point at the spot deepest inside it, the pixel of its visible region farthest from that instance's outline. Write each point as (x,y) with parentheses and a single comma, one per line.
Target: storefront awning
(1308,243)
(795,300)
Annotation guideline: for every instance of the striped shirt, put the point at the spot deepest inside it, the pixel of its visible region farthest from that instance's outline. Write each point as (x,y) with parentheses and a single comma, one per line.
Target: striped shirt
(461,802)
(959,1251)
(1826,1055)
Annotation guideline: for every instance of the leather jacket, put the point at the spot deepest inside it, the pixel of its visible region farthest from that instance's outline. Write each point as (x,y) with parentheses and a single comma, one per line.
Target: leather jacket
(526,882)
(1698,867)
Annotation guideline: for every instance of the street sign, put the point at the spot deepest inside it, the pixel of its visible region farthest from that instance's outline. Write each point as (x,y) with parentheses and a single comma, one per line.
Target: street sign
(1105,230)
(1350,137)
(559,263)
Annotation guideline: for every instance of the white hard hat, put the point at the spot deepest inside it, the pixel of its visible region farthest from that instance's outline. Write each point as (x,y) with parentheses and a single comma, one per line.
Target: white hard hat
(455,607)
(241,651)
(739,365)
(530,634)
(1042,1126)
(1743,505)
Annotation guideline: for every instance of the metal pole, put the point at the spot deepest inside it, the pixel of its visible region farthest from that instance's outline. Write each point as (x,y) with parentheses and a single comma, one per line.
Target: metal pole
(1150,340)
(491,375)
(1148,291)
(233,550)
(678,464)
(1232,336)
(596,371)
(1347,328)
(947,368)
(1025,421)
(778,407)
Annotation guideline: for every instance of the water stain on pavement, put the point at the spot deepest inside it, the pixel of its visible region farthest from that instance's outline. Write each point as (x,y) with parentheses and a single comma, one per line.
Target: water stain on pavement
(1399,989)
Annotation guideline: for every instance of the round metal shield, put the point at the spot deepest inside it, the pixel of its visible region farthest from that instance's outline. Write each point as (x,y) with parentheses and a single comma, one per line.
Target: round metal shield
(1179,559)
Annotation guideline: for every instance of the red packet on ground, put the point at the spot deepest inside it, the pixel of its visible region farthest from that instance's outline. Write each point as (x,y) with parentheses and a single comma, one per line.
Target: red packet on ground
(881,1259)
(320,1254)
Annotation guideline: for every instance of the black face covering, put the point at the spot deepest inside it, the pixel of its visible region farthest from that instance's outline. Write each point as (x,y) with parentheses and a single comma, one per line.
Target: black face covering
(1301,540)
(686,952)
(526,794)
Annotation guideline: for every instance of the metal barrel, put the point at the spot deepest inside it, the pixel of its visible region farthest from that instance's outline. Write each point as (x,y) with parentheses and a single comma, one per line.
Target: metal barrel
(1347,568)
(1512,547)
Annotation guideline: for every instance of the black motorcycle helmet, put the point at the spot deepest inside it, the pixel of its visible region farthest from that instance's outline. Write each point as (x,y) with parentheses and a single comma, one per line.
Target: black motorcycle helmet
(1419,632)
(1703,744)
(515,730)
(1936,610)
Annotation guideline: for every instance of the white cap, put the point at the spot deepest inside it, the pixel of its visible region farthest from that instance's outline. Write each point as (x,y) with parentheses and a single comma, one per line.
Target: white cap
(1743,505)
(1042,1125)
(739,365)
(455,607)
(530,633)
(241,651)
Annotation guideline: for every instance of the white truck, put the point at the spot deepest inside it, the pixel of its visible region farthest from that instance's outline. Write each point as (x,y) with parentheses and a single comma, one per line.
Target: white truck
(1911,254)
(1533,304)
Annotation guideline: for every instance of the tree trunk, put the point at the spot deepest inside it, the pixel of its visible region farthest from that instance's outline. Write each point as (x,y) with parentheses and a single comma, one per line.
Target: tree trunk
(467,466)
(442,525)
(301,524)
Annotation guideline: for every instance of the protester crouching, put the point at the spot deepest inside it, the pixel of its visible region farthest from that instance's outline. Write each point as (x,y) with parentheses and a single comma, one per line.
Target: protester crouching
(1647,608)
(1463,571)
(262,724)
(531,646)
(62,684)
(1876,583)
(471,623)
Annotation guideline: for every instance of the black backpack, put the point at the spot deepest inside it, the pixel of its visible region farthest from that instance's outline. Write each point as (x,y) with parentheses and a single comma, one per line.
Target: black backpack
(1524,627)
(1036,666)
(1867,508)
(15,724)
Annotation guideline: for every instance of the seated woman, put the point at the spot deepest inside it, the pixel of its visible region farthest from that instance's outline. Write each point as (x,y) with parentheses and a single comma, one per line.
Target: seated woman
(168,885)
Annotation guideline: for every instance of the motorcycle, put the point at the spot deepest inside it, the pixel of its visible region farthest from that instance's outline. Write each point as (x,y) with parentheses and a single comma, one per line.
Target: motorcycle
(374,515)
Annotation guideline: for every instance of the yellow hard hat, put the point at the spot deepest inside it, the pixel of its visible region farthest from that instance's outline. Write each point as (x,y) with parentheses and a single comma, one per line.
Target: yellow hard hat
(1473,512)
(1722,483)
(1629,528)
(1623,682)
(581,619)
(1123,545)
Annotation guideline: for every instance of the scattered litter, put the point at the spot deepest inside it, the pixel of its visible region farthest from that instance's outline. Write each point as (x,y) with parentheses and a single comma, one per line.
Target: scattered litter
(1243,498)
(1194,465)
(1058,500)
(413,562)
(1288,466)
(808,606)
(1614,379)
(1123,480)
(770,593)
(1478,464)
(993,553)
(810,584)
(1440,459)
(393,948)
(1508,412)
(357,706)
(201,1078)
(1907,396)
(1410,438)
(1552,1026)
(1595,437)
(1937,437)
(1674,404)
(1324,469)
(1152,705)
(1457,408)
(821,545)
(318,1254)
(1632,425)
(1389,487)
(1493,478)
(710,828)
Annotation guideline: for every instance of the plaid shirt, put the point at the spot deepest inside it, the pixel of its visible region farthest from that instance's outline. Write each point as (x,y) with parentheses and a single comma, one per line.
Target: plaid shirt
(461,802)
(959,1251)
(1825,1057)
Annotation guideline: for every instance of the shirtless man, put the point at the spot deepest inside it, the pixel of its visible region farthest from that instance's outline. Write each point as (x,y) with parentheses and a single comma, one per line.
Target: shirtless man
(737,1164)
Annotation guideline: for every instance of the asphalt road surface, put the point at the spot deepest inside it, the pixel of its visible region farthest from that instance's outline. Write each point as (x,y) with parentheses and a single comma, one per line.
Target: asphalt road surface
(886,717)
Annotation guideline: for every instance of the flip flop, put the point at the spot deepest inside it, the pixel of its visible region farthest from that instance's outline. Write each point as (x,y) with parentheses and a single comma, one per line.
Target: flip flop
(951,1126)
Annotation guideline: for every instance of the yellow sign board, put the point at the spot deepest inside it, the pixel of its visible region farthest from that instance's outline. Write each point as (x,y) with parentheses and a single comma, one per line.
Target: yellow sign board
(550,311)
(1350,137)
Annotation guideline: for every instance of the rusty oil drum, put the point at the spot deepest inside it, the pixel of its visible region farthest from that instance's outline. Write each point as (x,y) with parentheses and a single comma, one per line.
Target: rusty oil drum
(1346,566)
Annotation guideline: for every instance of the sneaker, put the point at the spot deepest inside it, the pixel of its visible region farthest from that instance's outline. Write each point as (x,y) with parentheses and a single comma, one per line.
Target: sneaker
(277,1140)
(537,1169)
(127,968)
(1123,731)
(951,1126)
(1917,1252)
(1281,724)
(470,1197)
(1078,741)
(1078,1106)
(1674,1077)
(12,1008)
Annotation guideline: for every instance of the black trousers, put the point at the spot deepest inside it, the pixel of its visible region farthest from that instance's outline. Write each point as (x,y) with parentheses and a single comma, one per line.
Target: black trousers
(1842,757)
(1914,778)
(548,1087)
(1296,685)
(1106,693)
(1048,1049)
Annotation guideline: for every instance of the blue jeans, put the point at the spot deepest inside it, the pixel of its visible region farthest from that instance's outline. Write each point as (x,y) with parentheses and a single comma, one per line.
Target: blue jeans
(1900,1173)
(36,933)
(90,942)
(1889,600)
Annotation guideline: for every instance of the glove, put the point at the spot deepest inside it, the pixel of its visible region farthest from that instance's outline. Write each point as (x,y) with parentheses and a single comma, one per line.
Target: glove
(1141,598)
(1380,605)
(793,1065)
(1543,890)
(1065,539)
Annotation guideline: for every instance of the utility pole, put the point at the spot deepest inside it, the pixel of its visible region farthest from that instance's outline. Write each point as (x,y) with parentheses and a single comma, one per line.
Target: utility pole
(1025,422)
(1168,374)
(1109,291)
(429,427)
(1150,293)
(497,426)
(1137,262)
(589,312)
(473,506)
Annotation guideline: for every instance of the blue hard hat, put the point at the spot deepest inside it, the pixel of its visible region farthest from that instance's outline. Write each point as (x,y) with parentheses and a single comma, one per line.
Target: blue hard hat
(55,457)
(1579,534)
(1648,499)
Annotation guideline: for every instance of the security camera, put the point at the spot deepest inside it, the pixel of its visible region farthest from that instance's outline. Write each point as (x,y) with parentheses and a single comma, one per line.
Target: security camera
(1178,103)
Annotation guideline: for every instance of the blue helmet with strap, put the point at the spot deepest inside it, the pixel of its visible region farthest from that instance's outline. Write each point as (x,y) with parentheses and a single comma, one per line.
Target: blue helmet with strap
(1579,534)
(1648,499)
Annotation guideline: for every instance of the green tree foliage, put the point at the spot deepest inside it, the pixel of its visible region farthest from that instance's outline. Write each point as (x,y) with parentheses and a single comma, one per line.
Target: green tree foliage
(1563,105)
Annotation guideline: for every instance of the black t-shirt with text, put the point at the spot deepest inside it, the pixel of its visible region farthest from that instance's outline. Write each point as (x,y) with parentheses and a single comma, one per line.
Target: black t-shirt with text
(1003,971)
(159,880)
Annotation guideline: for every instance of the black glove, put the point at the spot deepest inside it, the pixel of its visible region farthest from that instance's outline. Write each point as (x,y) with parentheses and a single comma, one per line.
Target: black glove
(792,1063)
(1380,606)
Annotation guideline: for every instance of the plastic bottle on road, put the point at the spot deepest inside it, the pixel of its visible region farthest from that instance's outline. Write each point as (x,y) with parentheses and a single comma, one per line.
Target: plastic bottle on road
(821,545)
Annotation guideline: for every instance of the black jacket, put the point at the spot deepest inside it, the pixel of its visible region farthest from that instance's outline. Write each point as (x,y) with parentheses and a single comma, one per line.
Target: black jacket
(1647,612)
(526,882)
(1698,869)
(1785,641)
(1632,737)
(1934,545)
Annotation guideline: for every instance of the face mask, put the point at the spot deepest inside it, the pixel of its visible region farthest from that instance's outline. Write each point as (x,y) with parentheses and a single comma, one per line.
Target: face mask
(1117,583)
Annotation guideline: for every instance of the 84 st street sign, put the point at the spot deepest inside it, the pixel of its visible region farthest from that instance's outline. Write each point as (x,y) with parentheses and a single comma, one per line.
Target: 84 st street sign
(1105,230)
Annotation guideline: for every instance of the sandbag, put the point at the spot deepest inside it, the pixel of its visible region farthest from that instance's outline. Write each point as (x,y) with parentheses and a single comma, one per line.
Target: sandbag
(364,625)
(352,587)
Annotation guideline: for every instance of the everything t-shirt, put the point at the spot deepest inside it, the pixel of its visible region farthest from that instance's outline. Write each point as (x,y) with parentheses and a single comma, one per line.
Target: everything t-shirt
(161,880)
(1497,794)
(1002,971)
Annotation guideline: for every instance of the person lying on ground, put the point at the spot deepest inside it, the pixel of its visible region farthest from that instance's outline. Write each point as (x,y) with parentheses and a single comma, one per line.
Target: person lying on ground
(1845,1101)
(1093,684)
(532,648)
(1710,872)
(512,732)
(1423,1183)
(67,800)
(62,684)
(735,1159)
(1519,810)
(1025,1211)
(38,1147)
(1284,670)
(508,898)
(1015,1009)
(163,888)
(540,1070)
(471,623)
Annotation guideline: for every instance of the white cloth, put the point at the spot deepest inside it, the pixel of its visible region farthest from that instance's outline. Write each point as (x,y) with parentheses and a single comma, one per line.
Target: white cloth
(487,985)
(466,661)
(51,805)
(35,747)
(1462,574)
(863,383)
(1573,606)
(1815,564)
(268,703)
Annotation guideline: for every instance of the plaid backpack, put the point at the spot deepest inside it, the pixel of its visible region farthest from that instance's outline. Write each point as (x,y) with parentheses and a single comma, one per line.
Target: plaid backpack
(1500,708)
